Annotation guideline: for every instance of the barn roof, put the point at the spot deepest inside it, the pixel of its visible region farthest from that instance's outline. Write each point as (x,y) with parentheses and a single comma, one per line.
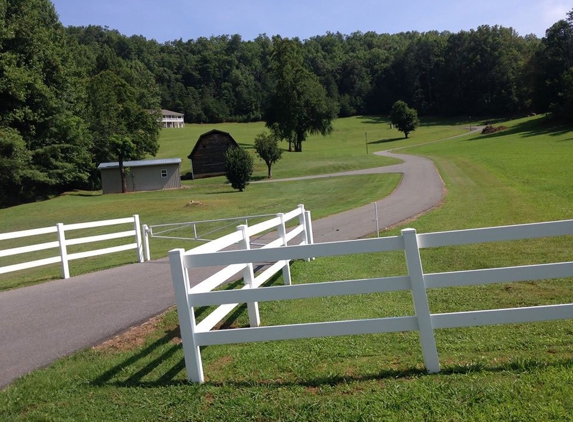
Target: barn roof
(140,163)
(211,132)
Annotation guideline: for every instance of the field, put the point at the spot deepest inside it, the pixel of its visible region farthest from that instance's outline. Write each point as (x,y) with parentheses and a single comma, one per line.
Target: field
(213,198)
(511,372)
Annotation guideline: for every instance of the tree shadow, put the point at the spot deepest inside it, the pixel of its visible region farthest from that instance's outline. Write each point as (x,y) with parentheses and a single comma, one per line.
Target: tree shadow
(84,194)
(529,128)
(378,120)
(384,141)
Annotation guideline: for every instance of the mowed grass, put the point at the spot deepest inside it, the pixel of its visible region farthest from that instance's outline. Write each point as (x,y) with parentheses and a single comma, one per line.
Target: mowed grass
(510,372)
(212,198)
(344,149)
(205,201)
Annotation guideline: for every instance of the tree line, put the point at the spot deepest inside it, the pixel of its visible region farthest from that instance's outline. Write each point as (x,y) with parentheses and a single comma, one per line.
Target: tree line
(73,97)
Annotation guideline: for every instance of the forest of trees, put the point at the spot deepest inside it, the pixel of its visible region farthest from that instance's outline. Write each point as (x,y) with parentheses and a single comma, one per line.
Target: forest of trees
(55,84)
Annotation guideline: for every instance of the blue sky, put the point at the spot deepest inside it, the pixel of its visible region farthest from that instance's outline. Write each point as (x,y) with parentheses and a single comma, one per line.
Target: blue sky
(168,20)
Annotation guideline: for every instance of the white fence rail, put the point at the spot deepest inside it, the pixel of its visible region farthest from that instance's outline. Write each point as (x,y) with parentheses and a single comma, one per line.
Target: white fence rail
(173,230)
(195,335)
(62,244)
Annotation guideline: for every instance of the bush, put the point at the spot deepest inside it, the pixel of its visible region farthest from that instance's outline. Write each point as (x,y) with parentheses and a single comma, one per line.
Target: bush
(239,167)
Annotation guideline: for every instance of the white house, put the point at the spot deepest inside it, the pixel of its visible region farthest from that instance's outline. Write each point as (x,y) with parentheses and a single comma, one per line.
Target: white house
(171,119)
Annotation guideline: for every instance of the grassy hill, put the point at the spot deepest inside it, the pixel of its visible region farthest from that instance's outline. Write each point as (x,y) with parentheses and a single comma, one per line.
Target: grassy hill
(509,372)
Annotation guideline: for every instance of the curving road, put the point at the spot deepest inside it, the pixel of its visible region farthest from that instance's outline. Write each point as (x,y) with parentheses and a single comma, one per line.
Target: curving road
(39,324)
(419,190)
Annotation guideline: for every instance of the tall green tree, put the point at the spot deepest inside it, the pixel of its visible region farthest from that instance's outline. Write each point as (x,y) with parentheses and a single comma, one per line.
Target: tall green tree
(123,129)
(298,105)
(267,148)
(404,117)
(39,102)
(555,60)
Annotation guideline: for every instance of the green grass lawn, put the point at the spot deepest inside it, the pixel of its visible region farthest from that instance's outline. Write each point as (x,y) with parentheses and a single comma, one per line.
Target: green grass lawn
(213,198)
(344,149)
(516,372)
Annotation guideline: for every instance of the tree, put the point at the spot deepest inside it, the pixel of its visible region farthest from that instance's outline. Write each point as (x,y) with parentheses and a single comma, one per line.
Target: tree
(555,60)
(266,146)
(16,170)
(123,129)
(39,103)
(404,117)
(298,105)
(239,167)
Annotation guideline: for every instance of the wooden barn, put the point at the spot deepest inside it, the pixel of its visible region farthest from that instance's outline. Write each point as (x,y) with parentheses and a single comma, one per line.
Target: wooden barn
(141,175)
(208,155)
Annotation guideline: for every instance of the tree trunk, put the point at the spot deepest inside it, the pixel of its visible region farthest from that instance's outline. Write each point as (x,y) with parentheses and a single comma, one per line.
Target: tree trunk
(122,173)
(269,174)
(299,137)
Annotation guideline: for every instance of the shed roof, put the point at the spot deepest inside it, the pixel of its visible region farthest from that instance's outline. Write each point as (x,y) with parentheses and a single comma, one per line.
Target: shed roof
(141,163)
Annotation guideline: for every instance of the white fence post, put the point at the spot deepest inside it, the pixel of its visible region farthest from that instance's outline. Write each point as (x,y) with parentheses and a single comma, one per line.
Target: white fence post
(249,278)
(63,250)
(416,273)
(286,263)
(308,230)
(302,222)
(138,239)
(146,232)
(376,218)
(186,315)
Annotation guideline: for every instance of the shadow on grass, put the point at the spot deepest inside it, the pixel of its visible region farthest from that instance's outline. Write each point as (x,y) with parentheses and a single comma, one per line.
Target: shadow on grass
(378,120)
(384,141)
(173,336)
(531,128)
(167,378)
(84,194)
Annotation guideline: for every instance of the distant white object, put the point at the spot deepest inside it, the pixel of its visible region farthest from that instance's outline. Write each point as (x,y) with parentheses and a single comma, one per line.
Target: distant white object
(172,119)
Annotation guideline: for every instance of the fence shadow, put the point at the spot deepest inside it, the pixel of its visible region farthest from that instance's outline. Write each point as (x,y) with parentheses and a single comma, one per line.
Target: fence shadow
(172,336)
(108,377)
(167,378)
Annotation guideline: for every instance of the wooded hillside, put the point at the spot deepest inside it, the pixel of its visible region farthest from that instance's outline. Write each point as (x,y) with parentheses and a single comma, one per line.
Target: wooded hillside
(56,85)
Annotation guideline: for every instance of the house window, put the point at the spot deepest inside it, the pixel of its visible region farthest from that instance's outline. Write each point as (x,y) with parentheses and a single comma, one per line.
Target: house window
(163,173)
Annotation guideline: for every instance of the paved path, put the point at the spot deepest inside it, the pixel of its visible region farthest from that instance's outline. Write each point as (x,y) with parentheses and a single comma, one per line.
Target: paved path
(39,324)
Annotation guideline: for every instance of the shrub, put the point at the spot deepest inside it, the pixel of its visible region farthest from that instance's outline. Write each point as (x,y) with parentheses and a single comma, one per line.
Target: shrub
(239,167)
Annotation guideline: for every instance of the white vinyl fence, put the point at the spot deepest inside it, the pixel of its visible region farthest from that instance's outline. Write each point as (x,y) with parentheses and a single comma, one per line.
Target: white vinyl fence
(190,230)
(195,335)
(62,244)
